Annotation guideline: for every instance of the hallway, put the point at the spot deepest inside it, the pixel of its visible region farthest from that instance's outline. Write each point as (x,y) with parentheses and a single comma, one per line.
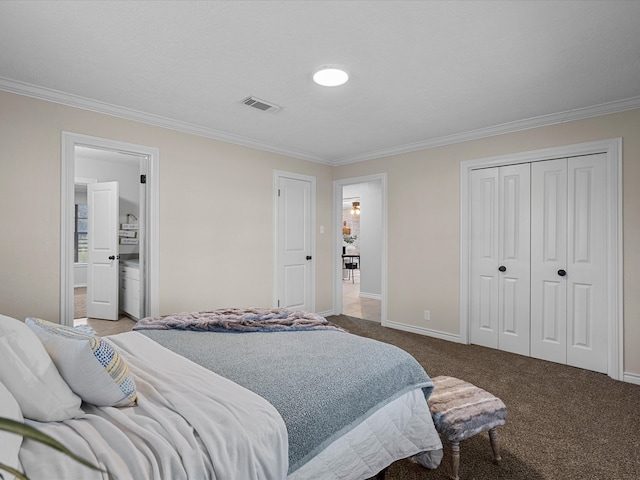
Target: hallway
(355,306)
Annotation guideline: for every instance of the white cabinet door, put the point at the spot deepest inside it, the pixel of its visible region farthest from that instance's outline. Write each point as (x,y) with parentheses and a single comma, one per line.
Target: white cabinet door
(500,258)
(102,264)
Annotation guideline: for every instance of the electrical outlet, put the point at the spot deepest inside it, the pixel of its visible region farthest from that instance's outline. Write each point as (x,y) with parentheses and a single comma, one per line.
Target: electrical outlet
(427,315)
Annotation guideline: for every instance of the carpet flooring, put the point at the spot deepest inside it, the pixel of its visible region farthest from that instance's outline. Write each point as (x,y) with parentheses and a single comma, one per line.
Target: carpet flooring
(563,422)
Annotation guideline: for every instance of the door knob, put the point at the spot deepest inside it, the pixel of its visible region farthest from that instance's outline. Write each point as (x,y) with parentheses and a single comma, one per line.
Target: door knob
(562,273)
(502,268)
(113,257)
(308,257)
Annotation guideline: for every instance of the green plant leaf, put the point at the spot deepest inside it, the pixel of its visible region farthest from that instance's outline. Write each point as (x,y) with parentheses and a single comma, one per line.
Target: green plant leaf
(31,433)
(19,475)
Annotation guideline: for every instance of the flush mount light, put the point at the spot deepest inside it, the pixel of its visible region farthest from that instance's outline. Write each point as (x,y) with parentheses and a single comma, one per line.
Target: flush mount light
(330,77)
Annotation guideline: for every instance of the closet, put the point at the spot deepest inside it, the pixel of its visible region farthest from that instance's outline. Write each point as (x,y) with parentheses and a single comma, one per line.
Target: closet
(538,243)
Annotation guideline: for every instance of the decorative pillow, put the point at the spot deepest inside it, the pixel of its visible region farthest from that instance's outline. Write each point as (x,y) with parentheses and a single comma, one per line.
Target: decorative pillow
(9,442)
(89,364)
(29,374)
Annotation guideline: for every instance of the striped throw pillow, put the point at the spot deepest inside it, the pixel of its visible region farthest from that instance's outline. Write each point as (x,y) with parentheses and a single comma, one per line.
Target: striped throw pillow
(90,365)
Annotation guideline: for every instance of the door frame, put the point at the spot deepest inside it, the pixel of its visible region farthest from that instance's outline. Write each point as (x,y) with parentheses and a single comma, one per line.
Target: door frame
(337,244)
(613,150)
(151,204)
(277,175)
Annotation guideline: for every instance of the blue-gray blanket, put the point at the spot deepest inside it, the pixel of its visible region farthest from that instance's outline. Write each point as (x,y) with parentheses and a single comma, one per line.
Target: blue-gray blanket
(322,382)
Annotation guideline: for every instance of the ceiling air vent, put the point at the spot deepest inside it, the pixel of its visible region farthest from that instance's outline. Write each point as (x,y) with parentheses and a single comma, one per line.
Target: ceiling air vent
(261,104)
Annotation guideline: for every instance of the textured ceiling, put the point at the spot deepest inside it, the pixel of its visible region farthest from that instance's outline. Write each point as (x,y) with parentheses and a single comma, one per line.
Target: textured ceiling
(422,72)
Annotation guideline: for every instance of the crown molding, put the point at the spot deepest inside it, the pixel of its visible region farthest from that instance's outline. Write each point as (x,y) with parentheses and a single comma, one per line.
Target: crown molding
(535,122)
(56,96)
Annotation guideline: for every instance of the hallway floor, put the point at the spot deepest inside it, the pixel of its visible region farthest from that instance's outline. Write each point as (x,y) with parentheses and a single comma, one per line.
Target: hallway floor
(355,306)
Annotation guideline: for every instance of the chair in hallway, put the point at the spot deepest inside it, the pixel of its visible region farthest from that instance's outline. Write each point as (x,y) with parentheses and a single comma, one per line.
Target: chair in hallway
(351,264)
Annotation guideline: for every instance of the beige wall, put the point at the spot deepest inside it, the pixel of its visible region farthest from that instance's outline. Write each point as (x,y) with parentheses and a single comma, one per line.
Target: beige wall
(424,219)
(216,240)
(216,212)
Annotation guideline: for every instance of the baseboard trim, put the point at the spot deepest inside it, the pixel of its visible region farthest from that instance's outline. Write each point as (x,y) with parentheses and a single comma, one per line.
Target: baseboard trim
(423,331)
(328,313)
(631,378)
(372,296)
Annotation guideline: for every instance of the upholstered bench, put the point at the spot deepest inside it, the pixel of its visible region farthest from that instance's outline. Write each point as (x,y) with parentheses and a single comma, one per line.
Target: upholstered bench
(460,410)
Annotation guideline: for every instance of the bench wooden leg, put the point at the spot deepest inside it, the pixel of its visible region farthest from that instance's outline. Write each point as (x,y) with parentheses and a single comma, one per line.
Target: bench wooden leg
(493,438)
(455,460)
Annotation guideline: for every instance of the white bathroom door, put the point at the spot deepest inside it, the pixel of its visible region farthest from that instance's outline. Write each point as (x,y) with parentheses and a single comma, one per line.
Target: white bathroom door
(294,245)
(500,258)
(102,267)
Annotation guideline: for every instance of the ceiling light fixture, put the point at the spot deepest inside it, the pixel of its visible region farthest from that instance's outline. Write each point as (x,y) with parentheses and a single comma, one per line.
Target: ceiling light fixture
(356,208)
(330,77)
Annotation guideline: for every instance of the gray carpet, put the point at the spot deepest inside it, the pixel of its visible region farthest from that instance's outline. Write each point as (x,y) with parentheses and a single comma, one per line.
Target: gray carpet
(563,422)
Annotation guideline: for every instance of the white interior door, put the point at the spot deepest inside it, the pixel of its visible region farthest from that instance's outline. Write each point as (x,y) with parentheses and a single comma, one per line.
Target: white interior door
(568,268)
(549,260)
(294,244)
(102,266)
(500,253)
(484,258)
(514,282)
(587,345)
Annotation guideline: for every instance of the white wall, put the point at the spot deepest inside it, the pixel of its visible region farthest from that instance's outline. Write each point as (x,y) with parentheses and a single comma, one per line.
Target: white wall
(215,208)
(371,240)
(423,190)
(127,174)
(227,259)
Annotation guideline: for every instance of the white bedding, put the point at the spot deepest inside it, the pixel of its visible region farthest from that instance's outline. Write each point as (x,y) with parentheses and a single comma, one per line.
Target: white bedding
(194,424)
(400,429)
(190,423)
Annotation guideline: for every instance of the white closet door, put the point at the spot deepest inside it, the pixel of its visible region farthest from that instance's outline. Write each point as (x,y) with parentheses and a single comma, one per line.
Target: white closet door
(484,258)
(514,246)
(549,260)
(500,257)
(568,262)
(587,262)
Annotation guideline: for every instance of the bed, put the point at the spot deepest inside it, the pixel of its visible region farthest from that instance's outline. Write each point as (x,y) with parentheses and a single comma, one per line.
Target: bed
(297,403)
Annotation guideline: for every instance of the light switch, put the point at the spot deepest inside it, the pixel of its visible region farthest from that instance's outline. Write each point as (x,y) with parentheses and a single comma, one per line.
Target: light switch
(321,228)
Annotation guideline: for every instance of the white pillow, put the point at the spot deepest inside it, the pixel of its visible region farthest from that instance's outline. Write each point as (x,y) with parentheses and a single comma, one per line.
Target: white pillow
(29,374)
(9,442)
(89,364)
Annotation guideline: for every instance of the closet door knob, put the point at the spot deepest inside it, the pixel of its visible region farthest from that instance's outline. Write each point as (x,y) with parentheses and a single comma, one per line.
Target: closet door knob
(562,273)
(502,268)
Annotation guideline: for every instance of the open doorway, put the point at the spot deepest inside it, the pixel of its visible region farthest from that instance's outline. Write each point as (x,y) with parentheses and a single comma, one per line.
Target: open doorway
(361,247)
(88,162)
(98,295)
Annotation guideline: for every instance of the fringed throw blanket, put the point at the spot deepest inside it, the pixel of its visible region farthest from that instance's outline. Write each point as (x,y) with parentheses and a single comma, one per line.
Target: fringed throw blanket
(239,320)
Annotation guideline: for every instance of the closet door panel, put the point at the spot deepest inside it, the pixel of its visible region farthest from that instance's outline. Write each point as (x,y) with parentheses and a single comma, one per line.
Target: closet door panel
(548,257)
(484,258)
(586,270)
(514,255)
